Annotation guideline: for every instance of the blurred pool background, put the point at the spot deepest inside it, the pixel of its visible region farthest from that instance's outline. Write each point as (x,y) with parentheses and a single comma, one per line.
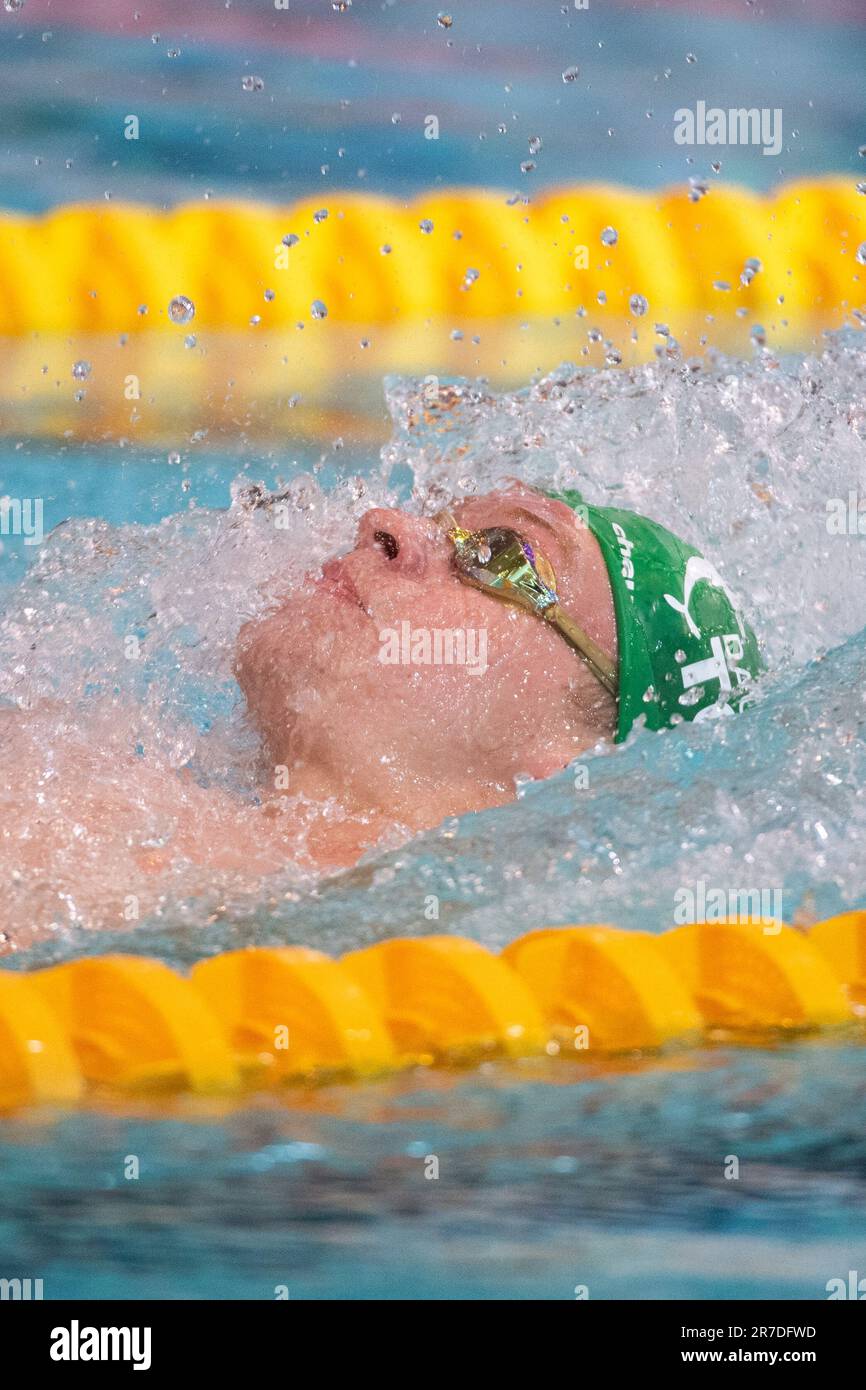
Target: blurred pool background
(335,78)
(608,1178)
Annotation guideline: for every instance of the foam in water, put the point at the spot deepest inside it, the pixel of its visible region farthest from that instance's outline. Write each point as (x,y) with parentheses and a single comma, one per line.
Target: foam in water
(742,459)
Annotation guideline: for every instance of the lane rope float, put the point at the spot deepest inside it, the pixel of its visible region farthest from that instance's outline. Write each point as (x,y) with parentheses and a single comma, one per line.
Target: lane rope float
(257,1016)
(116,269)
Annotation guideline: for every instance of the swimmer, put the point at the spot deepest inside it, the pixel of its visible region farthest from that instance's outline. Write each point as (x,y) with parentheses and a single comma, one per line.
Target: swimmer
(415,678)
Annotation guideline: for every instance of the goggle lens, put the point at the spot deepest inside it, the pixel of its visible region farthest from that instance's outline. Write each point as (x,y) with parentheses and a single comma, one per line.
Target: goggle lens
(503,562)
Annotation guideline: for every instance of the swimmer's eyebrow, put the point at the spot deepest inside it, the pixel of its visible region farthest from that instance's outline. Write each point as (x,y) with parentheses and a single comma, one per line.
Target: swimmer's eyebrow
(515,509)
(536,520)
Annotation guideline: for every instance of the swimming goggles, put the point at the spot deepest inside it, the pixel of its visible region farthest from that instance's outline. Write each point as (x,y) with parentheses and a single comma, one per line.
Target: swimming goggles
(501,562)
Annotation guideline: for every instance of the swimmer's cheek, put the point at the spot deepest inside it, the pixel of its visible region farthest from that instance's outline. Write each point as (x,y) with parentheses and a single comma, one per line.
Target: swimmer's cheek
(152,861)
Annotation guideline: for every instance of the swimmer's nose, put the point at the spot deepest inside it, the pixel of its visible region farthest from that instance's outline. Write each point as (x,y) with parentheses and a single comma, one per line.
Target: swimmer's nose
(407,543)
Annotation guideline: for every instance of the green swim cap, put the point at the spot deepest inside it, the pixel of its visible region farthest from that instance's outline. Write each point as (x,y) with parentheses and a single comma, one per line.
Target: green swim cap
(684,648)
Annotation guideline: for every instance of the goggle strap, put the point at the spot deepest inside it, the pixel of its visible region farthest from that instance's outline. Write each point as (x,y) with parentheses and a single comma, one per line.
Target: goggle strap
(598,661)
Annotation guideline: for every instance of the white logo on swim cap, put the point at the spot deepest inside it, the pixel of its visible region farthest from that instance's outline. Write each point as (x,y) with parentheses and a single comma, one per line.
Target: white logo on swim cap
(721,665)
(697,569)
(625,548)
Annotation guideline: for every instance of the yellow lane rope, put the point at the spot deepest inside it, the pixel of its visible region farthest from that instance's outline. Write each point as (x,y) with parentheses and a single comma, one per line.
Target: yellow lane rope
(258,1016)
(451,254)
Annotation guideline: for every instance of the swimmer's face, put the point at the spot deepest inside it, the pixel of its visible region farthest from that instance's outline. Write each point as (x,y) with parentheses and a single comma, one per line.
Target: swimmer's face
(391,685)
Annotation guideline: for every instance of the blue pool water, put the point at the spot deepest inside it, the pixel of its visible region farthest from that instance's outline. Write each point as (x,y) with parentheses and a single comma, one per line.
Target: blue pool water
(333,82)
(569,1178)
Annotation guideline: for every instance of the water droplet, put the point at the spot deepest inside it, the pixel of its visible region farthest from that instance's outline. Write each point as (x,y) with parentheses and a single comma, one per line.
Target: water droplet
(601,297)
(172,52)
(752,268)
(469,278)
(698,189)
(444,20)
(290,239)
(861,253)
(269,295)
(190,340)
(13,6)
(426,226)
(690,58)
(396,118)
(721,285)
(255,320)
(502,128)
(341,6)
(534,144)
(142,309)
(253,84)
(527,166)
(456,335)
(861,188)
(321,215)
(862,151)
(758,334)
(318,309)
(81,371)
(365,342)
(571,74)
(181,309)
(679,655)
(638,305)
(693,696)
(612,357)
(174,457)
(716,166)
(610,236)
(385,250)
